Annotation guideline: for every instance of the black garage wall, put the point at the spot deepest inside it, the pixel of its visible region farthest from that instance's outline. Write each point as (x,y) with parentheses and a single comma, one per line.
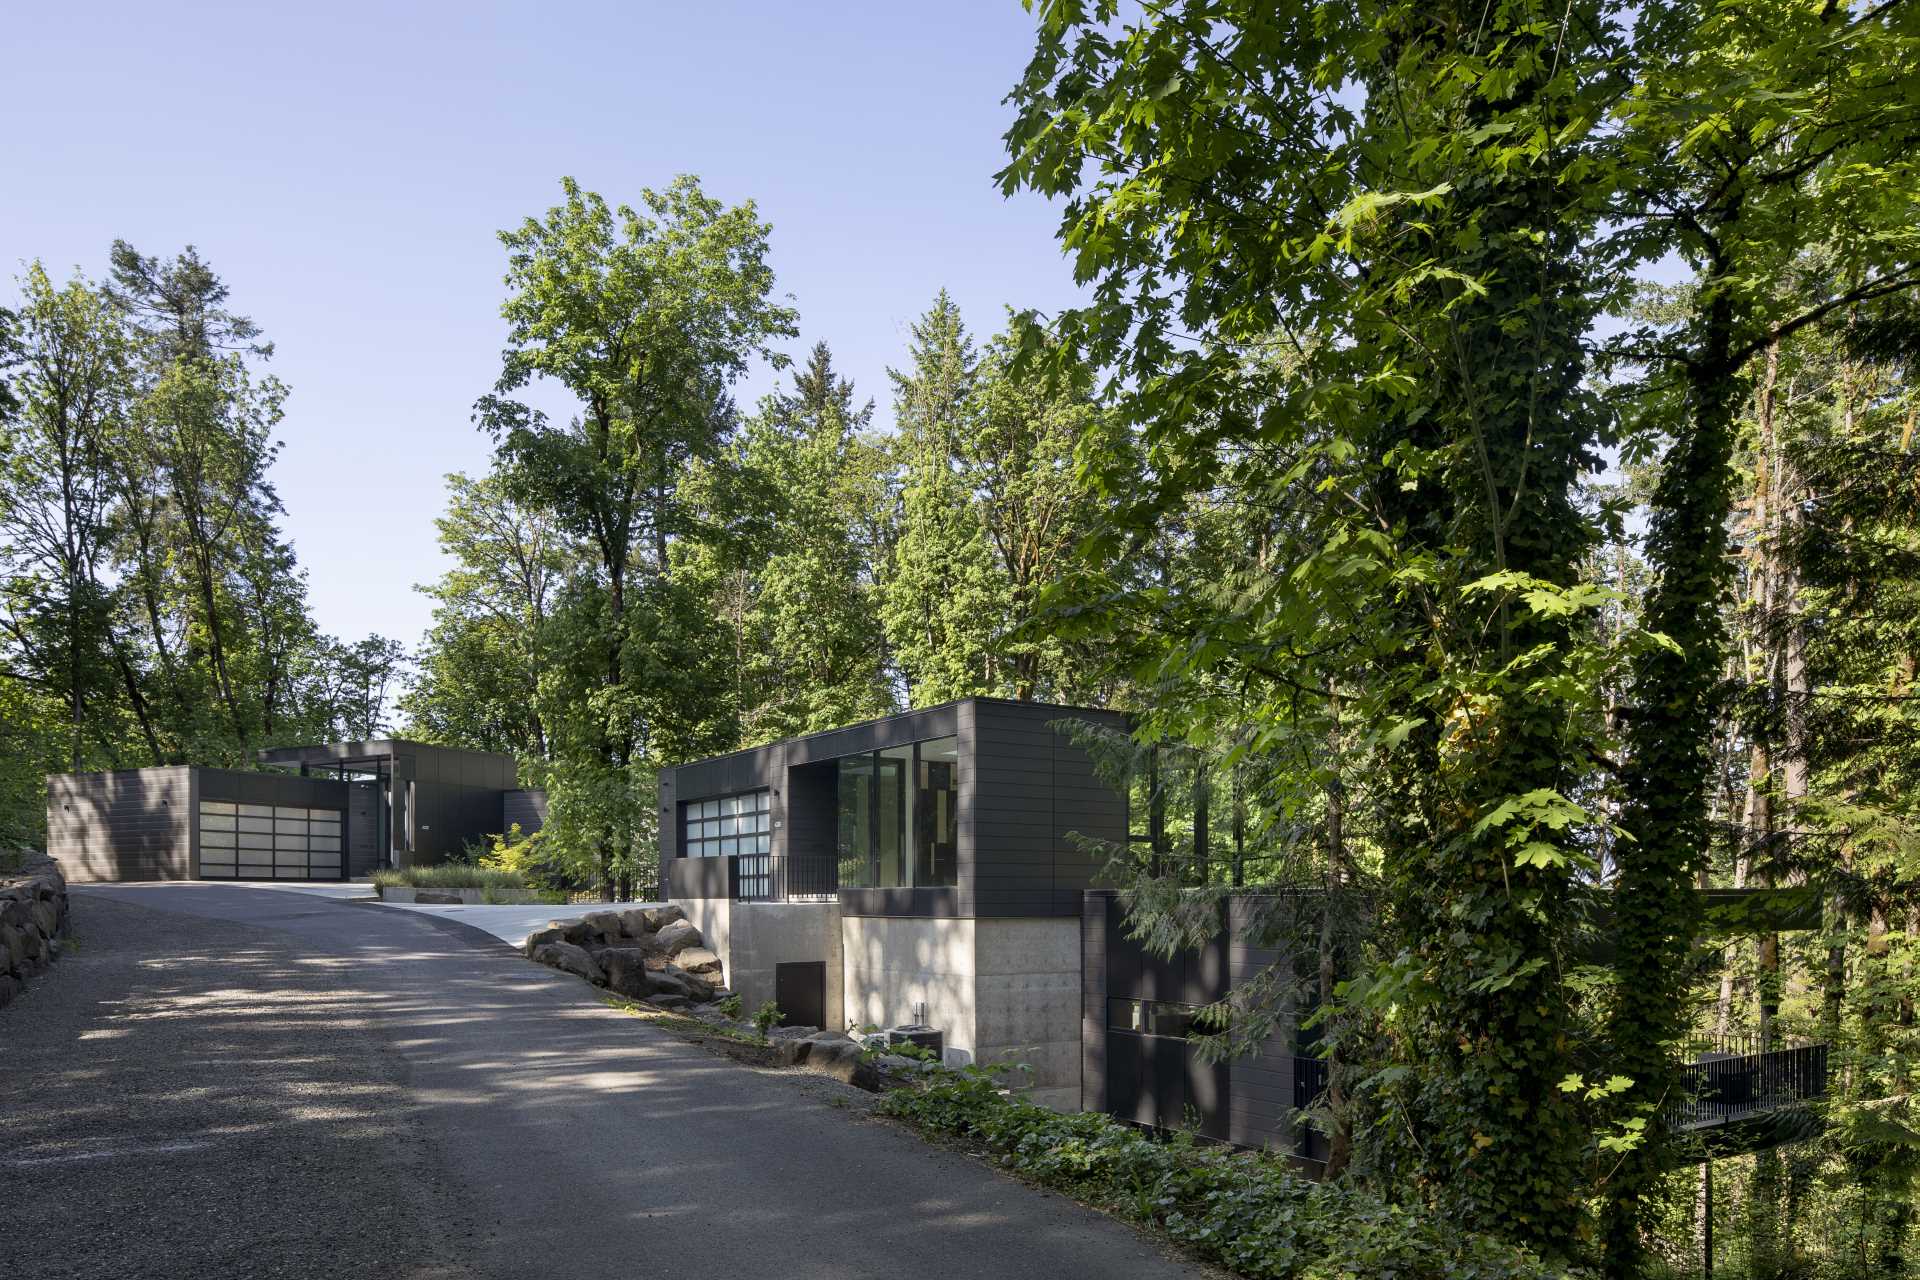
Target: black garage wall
(130,824)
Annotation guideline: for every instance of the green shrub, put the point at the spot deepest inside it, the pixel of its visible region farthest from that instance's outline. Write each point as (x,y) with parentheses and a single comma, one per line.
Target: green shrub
(1245,1210)
(531,857)
(503,884)
(766,1018)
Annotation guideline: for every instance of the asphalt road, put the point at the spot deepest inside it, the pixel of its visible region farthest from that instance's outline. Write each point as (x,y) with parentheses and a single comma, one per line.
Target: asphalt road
(223,1082)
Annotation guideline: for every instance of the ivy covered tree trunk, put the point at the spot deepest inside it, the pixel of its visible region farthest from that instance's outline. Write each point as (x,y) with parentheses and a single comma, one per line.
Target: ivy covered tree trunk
(1670,725)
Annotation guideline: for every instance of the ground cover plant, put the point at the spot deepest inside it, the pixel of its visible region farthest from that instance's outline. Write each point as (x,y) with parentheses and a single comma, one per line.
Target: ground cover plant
(1244,1210)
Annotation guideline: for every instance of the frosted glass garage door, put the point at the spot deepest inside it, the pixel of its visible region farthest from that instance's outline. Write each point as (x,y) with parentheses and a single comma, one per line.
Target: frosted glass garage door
(269,842)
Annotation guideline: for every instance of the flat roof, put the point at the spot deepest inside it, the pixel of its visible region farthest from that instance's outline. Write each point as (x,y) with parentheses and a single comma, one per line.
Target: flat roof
(373,749)
(897,715)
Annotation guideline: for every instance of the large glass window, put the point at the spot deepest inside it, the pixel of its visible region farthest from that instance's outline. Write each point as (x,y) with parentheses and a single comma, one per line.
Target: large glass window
(726,824)
(898,817)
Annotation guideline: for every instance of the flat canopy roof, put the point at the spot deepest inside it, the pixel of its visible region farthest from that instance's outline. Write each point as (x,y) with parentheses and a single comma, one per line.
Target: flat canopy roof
(375,749)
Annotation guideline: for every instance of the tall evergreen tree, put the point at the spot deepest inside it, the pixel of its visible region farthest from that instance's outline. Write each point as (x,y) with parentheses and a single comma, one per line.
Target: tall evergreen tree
(812,651)
(944,595)
(647,319)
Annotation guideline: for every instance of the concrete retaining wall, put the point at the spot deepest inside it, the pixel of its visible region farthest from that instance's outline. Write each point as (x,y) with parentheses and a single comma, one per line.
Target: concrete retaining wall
(1004,991)
(753,938)
(1027,1003)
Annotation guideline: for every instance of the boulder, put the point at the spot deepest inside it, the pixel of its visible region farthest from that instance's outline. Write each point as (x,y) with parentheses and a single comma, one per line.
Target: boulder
(13,948)
(541,937)
(604,923)
(659,918)
(698,960)
(577,932)
(633,923)
(677,937)
(792,1033)
(626,969)
(675,982)
(571,959)
(669,1003)
(840,1059)
(696,988)
(9,988)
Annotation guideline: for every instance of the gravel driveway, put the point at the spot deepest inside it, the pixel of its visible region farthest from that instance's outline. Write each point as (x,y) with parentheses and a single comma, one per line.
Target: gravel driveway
(223,1082)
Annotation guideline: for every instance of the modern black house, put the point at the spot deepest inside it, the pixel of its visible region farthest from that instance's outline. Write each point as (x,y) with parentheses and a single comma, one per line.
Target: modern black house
(925,867)
(330,812)
(941,867)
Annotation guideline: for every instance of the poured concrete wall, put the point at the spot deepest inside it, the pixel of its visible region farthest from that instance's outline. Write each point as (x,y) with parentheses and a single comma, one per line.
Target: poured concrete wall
(1004,991)
(893,964)
(762,935)
(752,938)
(713,917)
(1027,1003)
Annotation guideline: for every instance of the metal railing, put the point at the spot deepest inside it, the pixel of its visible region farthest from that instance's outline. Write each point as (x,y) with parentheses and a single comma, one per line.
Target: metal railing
(1721,1086)
(1732,1086)
(769,877)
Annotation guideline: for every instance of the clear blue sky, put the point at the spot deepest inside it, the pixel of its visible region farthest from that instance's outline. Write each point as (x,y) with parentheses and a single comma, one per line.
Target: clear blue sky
(346,167)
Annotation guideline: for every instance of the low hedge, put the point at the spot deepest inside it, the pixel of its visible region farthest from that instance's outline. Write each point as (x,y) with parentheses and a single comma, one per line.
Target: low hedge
(1243,1210)
(453,876)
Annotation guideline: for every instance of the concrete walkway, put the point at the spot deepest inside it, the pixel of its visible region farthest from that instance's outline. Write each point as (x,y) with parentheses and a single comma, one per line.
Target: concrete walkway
(510,924)
(220,1081)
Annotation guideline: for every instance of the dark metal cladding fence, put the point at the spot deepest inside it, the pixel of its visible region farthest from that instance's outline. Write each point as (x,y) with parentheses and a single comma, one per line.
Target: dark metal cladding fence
(1732,1086)
(1309,1081)
(768,877)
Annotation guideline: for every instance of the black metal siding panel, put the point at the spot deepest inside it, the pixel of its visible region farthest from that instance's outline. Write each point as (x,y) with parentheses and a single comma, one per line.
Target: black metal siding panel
(364,854)
(942,903)
(1093,1004)
(668,817)
(526,807)
(1249,1100)
(812,827)
(893,731)
(240,786)
(689,878)
(724,775)
(1011,822)
(133,824)
(1037,790)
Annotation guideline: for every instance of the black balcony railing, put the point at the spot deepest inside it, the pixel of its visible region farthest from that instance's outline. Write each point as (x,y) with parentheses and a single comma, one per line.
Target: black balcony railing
(1721,1087)
(1732,1086)
(769,877)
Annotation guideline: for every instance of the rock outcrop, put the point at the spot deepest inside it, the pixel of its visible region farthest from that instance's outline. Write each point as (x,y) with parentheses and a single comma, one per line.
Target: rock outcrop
(33,923)
(646,953)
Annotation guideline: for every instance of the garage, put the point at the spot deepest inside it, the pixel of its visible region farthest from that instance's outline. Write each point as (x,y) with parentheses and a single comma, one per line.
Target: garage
(269,842)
